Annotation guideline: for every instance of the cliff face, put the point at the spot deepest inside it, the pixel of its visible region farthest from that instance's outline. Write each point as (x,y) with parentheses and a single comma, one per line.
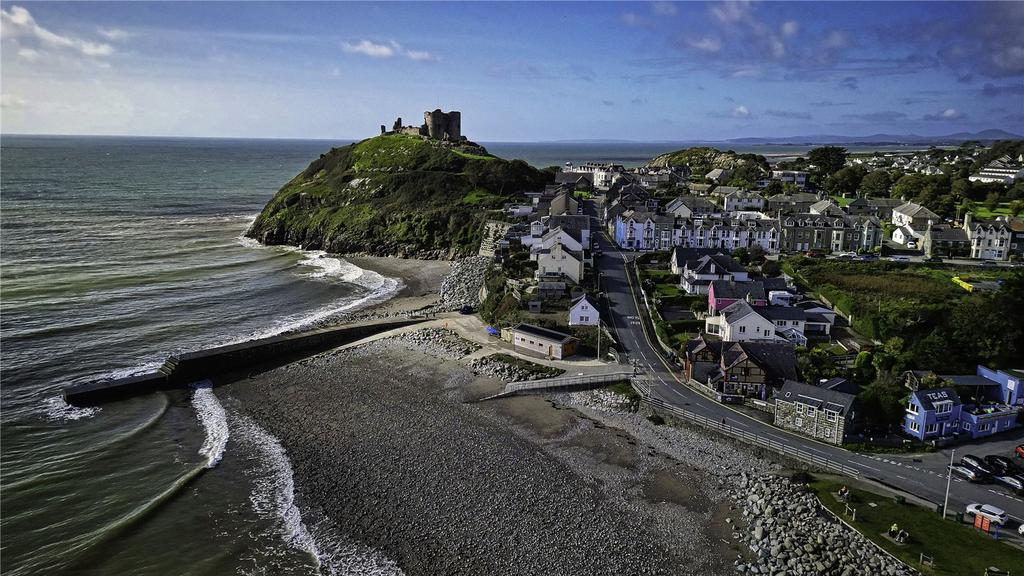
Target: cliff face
(394,195)
(703,159)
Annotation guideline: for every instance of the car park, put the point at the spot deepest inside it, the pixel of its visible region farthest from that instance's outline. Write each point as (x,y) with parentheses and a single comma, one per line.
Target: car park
(995,515)
(1001,464)
(967,473)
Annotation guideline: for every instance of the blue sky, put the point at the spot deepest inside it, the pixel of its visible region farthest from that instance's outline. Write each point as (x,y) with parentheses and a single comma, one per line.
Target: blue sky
(517,71)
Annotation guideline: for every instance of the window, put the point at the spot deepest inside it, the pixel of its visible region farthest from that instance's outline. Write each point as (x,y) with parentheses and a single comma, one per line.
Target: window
(943,407)
(931,428)
(828,433)
(967,426)
(798,421)
(914,426)
(912,408)
(743,329)
(830,415)
(982,427)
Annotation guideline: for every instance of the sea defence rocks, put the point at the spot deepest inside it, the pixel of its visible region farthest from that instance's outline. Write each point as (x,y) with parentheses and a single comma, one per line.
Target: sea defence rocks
(439,342)
(495,368)
(461,287)
(789,534)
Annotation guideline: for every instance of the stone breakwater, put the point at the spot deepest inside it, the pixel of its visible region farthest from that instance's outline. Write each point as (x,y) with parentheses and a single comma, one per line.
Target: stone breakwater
(790,534)
(438,342)
(495,368)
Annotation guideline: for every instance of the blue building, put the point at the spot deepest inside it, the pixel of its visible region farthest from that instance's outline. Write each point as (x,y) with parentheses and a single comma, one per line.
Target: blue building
(940,413)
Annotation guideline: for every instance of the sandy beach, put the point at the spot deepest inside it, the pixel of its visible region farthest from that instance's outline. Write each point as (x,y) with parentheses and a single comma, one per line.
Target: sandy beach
(386,449)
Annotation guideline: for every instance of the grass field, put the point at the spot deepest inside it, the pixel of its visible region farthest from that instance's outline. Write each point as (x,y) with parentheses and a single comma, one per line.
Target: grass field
(985,213)
(958,549)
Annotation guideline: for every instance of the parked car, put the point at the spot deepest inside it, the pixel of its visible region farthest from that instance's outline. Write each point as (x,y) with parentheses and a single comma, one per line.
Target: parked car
(899,258)
(1001,464)
(1019,451)
(912,245)
(1020,529)
(976,463)
(933,259)
(989,263)
(846,255)
(995,515)
(814,254)
(970,474)
(868,257)
(1014,482)
(466,310)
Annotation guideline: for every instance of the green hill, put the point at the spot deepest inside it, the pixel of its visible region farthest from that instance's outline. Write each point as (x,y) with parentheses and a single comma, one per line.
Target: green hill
(396,195)
(703,159)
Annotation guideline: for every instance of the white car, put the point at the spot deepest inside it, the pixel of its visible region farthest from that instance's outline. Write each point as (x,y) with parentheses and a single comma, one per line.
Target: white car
(912,245)
(995,515)
(1020,530)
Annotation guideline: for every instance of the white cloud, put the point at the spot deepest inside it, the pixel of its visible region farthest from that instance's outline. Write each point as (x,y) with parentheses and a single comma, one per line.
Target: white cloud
(115,34)
(730,12)
(947,114)
(386,50)
(835,40)
(371,49)
(664,8)
(28,54)
(740,112)
(633,19)
(19,23)
(790,27)
(709,45)
(11,101)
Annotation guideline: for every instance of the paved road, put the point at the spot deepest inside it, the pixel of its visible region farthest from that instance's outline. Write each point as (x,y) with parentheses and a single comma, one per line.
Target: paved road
(924,481)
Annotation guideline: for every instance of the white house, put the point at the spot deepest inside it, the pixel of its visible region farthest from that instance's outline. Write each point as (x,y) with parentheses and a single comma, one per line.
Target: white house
(913,216)
(583,313)
(540,341)
(741,322)
(558,236)
(558,261)
(989,240)
(1003,170)
(743,200)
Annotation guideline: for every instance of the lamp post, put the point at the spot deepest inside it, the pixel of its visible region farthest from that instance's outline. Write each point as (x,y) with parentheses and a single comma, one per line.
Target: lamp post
(949,478)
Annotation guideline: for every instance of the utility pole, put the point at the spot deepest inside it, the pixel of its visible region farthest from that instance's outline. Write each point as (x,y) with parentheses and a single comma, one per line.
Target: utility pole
(949,478)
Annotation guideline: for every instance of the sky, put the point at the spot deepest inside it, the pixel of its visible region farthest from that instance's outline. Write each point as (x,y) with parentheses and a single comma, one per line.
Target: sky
(517,71)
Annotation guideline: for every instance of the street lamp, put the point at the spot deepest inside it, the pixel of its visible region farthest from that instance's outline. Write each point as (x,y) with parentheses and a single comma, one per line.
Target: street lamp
(949,478)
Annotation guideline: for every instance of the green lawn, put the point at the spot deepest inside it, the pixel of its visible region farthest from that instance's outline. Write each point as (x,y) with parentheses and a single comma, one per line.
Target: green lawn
(985,213)
(957,549)
(840,201)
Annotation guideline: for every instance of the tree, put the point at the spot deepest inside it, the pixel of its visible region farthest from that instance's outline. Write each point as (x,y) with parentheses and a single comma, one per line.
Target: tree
(881,402)
(755,254)
(771,268)
(876,184)
(827,159)
(741,255)
(845,181)
(774,187)
(909,186)
(1017,207)
(992,200)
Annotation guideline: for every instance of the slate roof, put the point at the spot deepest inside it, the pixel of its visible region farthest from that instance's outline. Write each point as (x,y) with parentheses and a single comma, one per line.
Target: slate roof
(947,233)
(570,222)
(737,311)
(927,398)
(774,313)
(793,391)
(774,284)
(545,333)
(777,359)
(721,261)
(915,211)
(683,254)
(738,290)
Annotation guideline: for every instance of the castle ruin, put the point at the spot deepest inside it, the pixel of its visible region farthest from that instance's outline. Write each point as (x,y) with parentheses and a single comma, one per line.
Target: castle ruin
(437,125)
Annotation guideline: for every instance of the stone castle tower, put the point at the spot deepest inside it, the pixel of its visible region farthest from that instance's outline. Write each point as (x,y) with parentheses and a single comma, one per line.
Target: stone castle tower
(443,125)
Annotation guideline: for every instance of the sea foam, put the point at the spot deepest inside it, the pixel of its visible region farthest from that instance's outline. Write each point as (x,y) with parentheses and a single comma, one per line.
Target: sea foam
(214,420)
(273,499)
(56,408)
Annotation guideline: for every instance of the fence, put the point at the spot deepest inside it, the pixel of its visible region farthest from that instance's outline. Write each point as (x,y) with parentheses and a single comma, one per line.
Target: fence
(644,390)
(566,381)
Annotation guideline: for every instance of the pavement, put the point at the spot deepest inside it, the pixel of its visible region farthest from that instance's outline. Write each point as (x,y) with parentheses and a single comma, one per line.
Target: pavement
(922,477)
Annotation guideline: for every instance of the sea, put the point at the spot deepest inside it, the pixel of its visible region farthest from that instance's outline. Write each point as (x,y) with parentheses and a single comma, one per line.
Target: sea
(115,253)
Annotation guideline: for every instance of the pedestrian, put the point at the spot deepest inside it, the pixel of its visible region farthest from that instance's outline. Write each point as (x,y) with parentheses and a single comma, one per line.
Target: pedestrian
(723,421)
(894,530)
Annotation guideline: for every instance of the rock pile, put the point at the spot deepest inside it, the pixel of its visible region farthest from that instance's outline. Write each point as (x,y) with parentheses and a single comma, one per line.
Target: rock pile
(461,287)
(789,534)
(495,368)
(439,342)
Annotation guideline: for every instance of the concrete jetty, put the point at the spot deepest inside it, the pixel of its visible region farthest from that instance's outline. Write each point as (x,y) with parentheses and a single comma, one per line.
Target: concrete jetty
(183,369)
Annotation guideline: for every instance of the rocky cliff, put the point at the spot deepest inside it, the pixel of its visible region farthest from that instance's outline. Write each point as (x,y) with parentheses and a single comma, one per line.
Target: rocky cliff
(703,159)
(394,195)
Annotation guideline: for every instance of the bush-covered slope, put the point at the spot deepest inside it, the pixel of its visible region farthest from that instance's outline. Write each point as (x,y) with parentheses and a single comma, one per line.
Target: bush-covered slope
(394,195)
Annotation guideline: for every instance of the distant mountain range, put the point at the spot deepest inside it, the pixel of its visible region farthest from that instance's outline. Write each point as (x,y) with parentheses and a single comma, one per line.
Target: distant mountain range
(984,136)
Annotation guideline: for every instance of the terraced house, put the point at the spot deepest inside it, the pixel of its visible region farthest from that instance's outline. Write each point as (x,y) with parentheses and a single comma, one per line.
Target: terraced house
(988,240)
(802,232)
(732,371)
(729,233)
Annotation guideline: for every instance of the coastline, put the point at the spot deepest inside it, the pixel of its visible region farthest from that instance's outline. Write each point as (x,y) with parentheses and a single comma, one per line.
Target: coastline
(387,452)
(421,282)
